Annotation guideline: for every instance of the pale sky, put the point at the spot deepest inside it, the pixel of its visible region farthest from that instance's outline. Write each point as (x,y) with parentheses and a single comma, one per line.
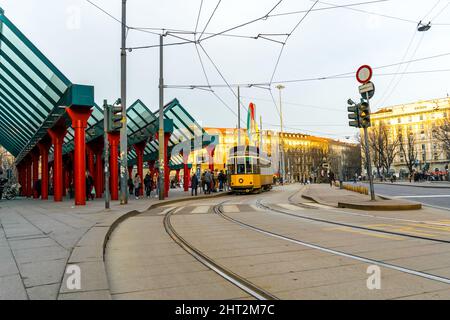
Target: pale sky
(84,44)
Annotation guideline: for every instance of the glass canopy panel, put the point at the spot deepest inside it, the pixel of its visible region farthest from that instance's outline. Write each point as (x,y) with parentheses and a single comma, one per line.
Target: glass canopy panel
(30,88)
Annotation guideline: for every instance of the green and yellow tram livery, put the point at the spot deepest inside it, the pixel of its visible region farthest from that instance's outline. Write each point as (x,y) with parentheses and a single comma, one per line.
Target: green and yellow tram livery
(249,170)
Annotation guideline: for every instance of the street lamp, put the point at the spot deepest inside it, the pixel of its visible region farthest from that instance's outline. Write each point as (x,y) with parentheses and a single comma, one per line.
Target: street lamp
(282,167)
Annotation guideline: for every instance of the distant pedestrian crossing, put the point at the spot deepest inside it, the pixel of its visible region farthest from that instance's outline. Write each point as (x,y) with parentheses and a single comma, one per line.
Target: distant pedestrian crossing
(229,208)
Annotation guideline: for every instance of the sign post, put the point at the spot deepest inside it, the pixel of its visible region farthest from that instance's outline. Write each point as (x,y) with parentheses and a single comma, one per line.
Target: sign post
(367,90)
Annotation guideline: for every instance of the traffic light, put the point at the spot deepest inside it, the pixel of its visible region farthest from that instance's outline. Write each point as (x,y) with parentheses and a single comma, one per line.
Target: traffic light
(354,116)
(364,114)
(114,118)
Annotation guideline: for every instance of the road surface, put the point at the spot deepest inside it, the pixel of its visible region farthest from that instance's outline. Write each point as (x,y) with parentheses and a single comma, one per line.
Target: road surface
(277,245)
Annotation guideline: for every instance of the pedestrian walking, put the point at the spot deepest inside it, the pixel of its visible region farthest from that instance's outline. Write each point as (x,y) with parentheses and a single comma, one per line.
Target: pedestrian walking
(331,178)
(137,185)
(203,183)
(208,182)
(89,185)
(194,184)
(130,185)
(148,185)
(221,179)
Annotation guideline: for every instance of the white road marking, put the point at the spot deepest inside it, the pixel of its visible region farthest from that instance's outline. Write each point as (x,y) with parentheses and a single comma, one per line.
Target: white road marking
(427,196)
(201,209)
(318,205)
(289,206)
(179,209)
(256,208)
(230,208)
(165,211)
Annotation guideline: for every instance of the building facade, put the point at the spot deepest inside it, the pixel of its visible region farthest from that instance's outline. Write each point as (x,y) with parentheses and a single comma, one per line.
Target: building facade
(413,126)
(306,157)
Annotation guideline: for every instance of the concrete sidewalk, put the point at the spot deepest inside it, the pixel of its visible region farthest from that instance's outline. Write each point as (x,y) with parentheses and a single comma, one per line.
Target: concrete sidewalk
(340,198)
(38,239)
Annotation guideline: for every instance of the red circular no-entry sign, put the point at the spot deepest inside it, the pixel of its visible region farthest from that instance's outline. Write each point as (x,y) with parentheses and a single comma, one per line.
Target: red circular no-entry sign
(364,74)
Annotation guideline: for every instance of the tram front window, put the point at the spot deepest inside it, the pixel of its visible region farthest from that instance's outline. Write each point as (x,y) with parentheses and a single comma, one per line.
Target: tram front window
(240,169)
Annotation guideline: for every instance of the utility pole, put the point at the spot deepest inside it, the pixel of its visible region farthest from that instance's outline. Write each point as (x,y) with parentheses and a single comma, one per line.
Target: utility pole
(106,144)
(369,165)
(282,165)
(239,115)
(260,134)
(161,118)
(123,94)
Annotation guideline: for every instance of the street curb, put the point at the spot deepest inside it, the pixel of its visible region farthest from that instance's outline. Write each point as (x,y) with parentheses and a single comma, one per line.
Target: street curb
(370,207)
(381,207)
(412,185)
(92,247)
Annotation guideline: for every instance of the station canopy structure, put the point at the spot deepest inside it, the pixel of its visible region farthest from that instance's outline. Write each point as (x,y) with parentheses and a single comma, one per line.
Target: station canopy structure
(34,95)
(37,100)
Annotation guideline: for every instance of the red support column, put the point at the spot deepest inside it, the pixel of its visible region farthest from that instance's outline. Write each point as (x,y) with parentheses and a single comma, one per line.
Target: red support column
(57,135)
(114,141)
(66,178)
(35,159)
(28,178)
(139,148)
(98,180)
(166,164)
(90,161)
(79,117)
(44,146)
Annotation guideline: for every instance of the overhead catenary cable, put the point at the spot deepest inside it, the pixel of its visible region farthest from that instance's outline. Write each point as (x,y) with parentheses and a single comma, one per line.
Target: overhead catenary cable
(209,20)
(335,76)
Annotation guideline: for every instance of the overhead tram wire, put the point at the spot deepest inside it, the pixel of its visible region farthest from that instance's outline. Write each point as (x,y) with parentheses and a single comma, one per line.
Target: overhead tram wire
(209,20)
(221,75)
(326,8)
(336,76)
(390,90)
(281,53)
(207,80)
(391,82)
(198,18)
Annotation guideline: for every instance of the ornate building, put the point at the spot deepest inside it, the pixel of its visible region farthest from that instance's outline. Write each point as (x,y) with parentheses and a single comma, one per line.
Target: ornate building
(306,156)
(413,127)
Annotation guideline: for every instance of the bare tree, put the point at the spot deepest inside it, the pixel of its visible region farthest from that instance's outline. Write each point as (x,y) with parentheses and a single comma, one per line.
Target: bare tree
(442,134)
(384,147)
(408,151)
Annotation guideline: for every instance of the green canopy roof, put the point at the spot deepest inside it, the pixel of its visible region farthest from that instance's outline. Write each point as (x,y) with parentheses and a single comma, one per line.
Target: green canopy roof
(32,90)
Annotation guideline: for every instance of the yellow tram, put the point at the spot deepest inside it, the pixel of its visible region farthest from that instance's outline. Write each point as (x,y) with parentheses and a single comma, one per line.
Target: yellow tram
(249,170)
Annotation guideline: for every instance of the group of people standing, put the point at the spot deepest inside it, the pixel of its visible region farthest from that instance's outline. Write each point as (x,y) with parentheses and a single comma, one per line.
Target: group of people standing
(150,184)
(210,181)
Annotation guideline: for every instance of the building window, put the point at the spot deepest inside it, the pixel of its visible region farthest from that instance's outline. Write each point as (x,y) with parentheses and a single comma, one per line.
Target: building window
(421,117)
(399,120)
(409,119)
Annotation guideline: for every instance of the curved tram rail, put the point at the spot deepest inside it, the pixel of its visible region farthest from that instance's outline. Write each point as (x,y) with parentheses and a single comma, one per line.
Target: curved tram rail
(228,275)
(341,224)
(218,210)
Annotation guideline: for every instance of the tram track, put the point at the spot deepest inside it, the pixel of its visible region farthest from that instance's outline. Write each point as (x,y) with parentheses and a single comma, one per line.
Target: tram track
(228,275)
(333,210)
(347,225)
(218,210)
